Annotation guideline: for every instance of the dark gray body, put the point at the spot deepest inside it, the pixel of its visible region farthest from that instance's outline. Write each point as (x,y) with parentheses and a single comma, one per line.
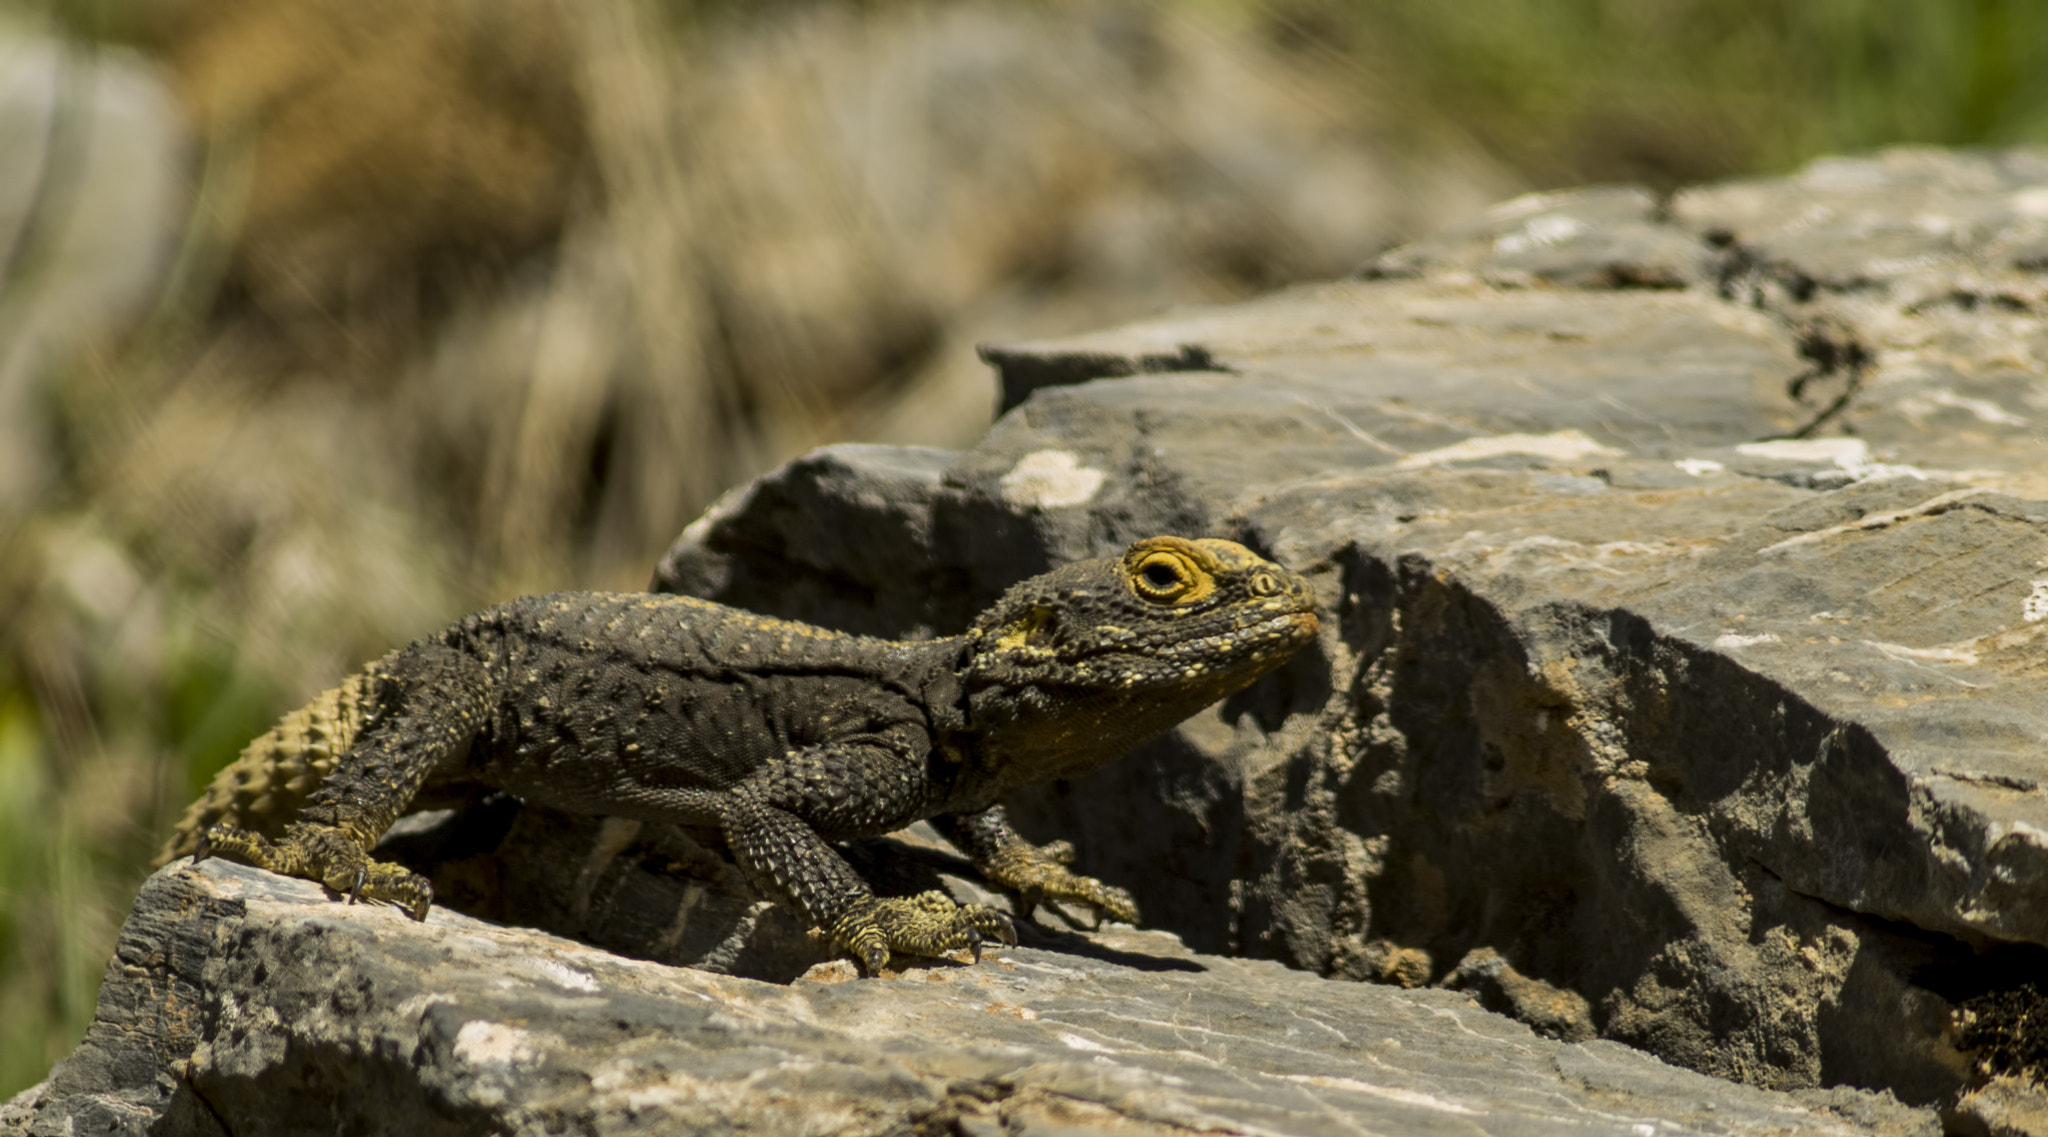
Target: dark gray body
(596,697)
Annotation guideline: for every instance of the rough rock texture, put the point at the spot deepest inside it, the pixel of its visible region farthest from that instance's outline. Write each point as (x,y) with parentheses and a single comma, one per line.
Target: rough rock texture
(1686,571)
(1686,561)
(302,1015)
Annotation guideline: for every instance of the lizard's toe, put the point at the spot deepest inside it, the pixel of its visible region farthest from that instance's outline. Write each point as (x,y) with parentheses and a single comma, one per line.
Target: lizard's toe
(1111,902)
(990,922)
(857,934)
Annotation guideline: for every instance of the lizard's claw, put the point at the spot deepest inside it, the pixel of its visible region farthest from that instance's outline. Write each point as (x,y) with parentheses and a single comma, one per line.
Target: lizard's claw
(1106,901)
(928,924)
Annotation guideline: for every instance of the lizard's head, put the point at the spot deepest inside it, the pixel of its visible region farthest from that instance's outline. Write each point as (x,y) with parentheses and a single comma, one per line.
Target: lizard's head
(1128,646)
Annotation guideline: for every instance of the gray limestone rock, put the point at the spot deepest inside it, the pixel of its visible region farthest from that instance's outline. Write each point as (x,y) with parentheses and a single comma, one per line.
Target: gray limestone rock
(1604,237)
(255,1004)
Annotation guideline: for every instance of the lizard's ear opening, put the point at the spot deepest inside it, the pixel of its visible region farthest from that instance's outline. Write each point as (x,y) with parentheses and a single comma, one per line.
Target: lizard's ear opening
(1168,570)
(1034,630)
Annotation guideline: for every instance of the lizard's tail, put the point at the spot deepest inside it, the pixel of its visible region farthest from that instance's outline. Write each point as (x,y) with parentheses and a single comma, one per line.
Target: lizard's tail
(264,788)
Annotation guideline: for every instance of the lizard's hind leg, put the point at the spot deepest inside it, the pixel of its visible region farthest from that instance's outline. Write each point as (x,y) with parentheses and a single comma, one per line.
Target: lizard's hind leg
(432,701)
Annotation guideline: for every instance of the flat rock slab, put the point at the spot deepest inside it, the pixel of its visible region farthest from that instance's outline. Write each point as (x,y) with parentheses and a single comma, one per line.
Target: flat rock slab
(282,1011)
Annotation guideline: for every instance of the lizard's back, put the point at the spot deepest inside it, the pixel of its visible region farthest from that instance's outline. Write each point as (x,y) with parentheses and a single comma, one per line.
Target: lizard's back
(680,691)
(691,692)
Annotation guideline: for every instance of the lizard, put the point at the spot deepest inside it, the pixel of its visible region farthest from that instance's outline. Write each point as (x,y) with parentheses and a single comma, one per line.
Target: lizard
(782,736)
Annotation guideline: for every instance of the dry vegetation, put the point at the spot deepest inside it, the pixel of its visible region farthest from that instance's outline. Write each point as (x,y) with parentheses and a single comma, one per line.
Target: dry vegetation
(391,309)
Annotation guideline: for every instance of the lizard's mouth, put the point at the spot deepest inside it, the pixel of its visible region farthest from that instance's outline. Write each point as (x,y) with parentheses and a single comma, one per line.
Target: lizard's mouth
(1257,642)
(1288,631)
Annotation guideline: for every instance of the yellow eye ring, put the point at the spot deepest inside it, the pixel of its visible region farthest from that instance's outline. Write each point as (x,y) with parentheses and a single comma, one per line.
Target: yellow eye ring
(1164,577)
(1170,571)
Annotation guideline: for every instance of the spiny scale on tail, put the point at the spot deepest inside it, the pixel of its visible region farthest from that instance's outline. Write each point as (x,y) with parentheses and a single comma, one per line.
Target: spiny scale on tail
(265,787)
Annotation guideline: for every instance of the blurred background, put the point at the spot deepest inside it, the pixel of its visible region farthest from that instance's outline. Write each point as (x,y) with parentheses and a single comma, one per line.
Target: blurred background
(325,321)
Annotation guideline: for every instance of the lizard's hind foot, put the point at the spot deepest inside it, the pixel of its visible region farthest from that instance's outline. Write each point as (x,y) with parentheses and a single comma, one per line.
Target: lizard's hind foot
(928,924)
(327,855)
(1038,874)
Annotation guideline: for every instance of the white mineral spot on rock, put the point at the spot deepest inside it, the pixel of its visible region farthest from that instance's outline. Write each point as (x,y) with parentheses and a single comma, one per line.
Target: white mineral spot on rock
(1540,231)
(1699,467)
(483,1043)
(1933,506)
(1848,453)
(2003,831)
(1932,654)
(565,975)
(1390,1093)
(2035,608)
(1561,446)
(1920,657)
(1523,206)
(417,1005)
(1983,409)
(1851,455)
(1050,479)
(1734,640)
(1076,1042)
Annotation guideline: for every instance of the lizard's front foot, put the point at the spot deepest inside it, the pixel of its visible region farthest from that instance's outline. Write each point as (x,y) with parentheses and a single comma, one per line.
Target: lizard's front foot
(327,855)
(927,924)
(1039,873)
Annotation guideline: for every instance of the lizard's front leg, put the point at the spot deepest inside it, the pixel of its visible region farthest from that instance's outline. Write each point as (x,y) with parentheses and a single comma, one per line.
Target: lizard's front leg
(847,787)
(433,700)
(1035,873)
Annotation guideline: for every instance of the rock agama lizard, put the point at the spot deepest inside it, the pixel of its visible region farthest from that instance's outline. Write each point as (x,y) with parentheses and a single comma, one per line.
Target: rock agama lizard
(782,736)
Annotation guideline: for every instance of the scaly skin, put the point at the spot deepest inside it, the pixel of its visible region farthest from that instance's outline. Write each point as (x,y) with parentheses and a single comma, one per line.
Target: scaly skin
(783,736)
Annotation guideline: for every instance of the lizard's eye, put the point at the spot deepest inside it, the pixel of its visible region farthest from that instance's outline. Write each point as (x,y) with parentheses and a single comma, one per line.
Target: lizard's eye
(1170,572)
(1163,577)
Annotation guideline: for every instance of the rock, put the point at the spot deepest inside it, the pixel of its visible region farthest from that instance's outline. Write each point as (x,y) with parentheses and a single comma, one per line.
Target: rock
(1550,1011)
(1590,238)
(283,1011)
(1685,641)
(2002,1107)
